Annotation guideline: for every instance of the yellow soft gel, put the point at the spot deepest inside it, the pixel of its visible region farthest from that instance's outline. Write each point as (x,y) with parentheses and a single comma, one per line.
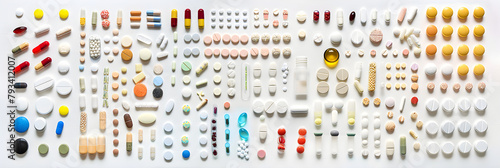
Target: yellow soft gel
(447,13)
(478,12)
(63,110)
(447,31)
(463,31)
(447,50)
(478,69)
(462,13)
(63,13)
(463,50)
(462,70)
(431,12)
(478,31)
(38,13)
(478,50)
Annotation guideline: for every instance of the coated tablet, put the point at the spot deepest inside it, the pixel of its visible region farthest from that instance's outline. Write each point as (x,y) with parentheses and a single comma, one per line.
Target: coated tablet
(390,102)
(448,105)
(446,70)
(357,37)
(126,41)
(217,66)
(64,87)
(44,105)
(170,105)
(186,92)
(432,128)
(22,104)
(432,105)
(44,83)
(168,127)
(447,127)
(336,38)
(217,91)
(432,148)
(145,54)
(40,124)
(430,69)
(64,48)
(21,124)
(258,107)
(203,140)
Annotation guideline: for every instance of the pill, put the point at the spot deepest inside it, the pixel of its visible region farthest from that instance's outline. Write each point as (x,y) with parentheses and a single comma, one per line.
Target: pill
(342,74)
(478,12)
(41,47)
(480,146)
(59,127)
(63,32)
(21,47)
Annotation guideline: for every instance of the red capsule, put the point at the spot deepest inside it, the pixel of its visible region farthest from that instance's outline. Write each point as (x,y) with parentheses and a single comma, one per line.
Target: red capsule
(201,14)
(316,15)
(327,16)
(20,30)
(187,14)
(21,66)
(281,131)
(44,63)
(42,46)
(173,19)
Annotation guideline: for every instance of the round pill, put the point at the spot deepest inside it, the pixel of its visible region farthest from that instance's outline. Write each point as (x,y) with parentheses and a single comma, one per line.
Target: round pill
(64,48)
(217,66)
(431,30)
(478,31)
(323,87)
(432,128)
(464,127)
(480,104)
(63,149)
(478,50)
(447,13)
(157,92)
(448,105)
(390,126)
(43,149)
(126,55)
(63,14)
(195,51)
(431,49)
(390,102)
(158,81)
(448,148)
(481,126)
(64,87)
(480,146)
(44,105)
(63,110)
(145,54)
(21,124)
(464,147)
(376,36)
(478,70)
(357,37)
(264,52)
(186,79)
(431,12)
(19,12)
(341,88)
(22,104)
(186,66)
(168,156)
(430,69)
(463,31)
(40,124)
(126,41)
(186,92)
(447,50)
(478,12)
(38,14)
(168,127)
(447,127)
(342,74)
(462,70)
(187,38)
(433,148)
(463,50)
(140,90)
(208,52)
(322,74)
(186,154)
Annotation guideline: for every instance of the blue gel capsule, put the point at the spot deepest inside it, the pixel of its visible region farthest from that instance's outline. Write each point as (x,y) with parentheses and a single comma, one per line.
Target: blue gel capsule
(60,126)
(227,147)
(186,154)
(242,119)
(243,134)
(20,85)
(21,124)
(226,117)
(227,134)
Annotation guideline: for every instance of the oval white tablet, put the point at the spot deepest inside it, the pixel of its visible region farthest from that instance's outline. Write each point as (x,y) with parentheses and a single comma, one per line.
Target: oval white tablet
(40,124)
(430,69)
(432,148)
(432,105)
(446,69)
(447,127)
(44,105)
(44,83)
(64,87)
(357,37)
(464,147)
(432,127)
(257,106)
(170,105)
(448,148)
(63,67)
(22,104)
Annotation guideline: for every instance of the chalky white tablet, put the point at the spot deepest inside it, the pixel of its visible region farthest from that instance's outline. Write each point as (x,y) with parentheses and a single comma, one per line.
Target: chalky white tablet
(447,148)
(464,127)
(115,39)
(231,73)
(168,127)
(336,38)
(390,102)
(257,86)
(480,146)
(231,65)
(64,87)
(40,123)
(301,16)
(322,74)
(22,104)
(203,127)
(217,66)
(231,83)
(186,79)
(145,54)
(446,70)
(44,105)
(430,69)
(231,92)
(318,38)
(64,48)
(342,74)
(94,68)
(217,92)
(273,69)
(196,37)
(217,79)
(19,12)
(357,37)
(272,86)
(257,106)
(186,92)
(448,105)
(168,141)
(203,140)
(63,67)
(106,39)
(270,107)
(187,52)
(433,148)
(144,39)
(44,83)
(432,105)
(481,126)
(432,128)
(447,127)
(281,107)
(323,87)
(464,105)
(480,104)
(464,147)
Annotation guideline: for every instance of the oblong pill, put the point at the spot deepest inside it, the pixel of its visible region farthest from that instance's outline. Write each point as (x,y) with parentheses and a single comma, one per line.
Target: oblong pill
(59,128)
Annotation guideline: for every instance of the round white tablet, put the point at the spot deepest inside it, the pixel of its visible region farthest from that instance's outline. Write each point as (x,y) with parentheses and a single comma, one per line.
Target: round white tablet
(447,148)
(480,104)
(217,91)
(231,83)
(270,107)
(203,127)
(448,105)
(231,92)
(446,69)
(217,66)
(390,102)
(106,38)
(115,39)
(217,79)
(168,155)
(301,16)
(203,115)
(430,69)
(338,105)
(168,141)
(145,54)
(158,69)
(464,105)
(196,37)
(19,12)
(336,38)
(481,126)
(94,68)
(318,38)
(203,154)
(203,140)
(302,34)
(231,65)
(432,148)
(106,50)
(231,73)
(257,106)
(432,128)
(22,104)
(44,105)
(64,87)
(63,67)
(464,147)
(282,107)
(357,37)
(186,92)
(64,48)
(432,105)
(40,123)
(168,127)
(187,38)
(111,58)
(480,146)
(186,79)
(447,127)
(126,41)
(464,127)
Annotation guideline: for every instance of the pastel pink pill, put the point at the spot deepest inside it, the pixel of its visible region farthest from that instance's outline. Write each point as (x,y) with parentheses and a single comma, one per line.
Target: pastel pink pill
(243,54)
(285,14)
(276,23)
(208,52)
(224,53)
(402,14)
(254,52)
(235,39)
(234,53)
(406,52)
(244,39)
(207,40)
(264,52)
(226,38)
(216,37)
(216,52)
(261,154)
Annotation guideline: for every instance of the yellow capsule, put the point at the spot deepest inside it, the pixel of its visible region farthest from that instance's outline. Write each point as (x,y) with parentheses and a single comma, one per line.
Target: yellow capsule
(478,31)
(478,50)
(463,31)
(478,12)
(463,50)
(462,13)
(447,50)
(447,13)
(431,12)
(447,31)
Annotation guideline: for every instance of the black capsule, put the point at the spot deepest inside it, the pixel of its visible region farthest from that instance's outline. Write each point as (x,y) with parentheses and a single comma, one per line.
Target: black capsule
(352,16)
(157,93)
(20,85)
(20,146)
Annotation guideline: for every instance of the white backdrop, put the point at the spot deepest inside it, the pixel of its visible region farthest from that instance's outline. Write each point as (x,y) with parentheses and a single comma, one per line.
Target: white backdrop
(292,124)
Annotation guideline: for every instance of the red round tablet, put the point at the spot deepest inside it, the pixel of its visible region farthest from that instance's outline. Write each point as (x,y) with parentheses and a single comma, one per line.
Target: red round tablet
(302,131)
(414,100)
(301,140)
(281,131)
(300,149)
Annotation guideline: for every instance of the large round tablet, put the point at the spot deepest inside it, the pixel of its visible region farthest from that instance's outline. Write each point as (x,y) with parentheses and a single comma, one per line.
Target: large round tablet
(342,74)
(464,127)
(336,38)
(481,146)
(257,106)
(126,55)
(22,104)
(322,74)
(323,87)
(40,124)
(63,149)
(481,126)
(433,148)
(145,54)
(464,147)
(126,41)
(480,104)
(44,105)
(168,155)
(448,105)
(432,105)
(376,36)
(342,88)
(64,87)
(64,48)
(448,148)
(21,124)
(447,127)
(63,67)
(430,69)
(20,146)
(432,128)
(357,37)
(446,69)
(281,107)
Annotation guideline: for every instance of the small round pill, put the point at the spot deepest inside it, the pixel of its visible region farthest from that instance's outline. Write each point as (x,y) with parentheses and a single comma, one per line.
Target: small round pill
(478,31)
(115,142)
(390,114)
(390,127)
(376,101)
(414,116)
(414,86)
(443,86)
(401,119)
(115,122)
(431,49)
(115,152)
(115,112)
(419,124)
(366,101)
(431,12)
(481,86)
(447,13)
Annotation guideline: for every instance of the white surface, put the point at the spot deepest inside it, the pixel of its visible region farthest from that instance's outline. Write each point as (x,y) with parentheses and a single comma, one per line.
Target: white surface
(292,123)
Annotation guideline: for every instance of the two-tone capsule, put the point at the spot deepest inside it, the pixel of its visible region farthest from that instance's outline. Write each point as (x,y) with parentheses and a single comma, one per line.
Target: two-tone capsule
(20,48)
(173,19)
(187,18)
(44,63)
(42,46)
(21,66)
(201,18)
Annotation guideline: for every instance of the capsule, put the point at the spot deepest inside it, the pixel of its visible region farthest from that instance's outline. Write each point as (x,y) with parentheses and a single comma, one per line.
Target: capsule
(83,145)
(119,18)
(129,141)
(201,18)
(402,145)
(92,145)
(42,64)
(94,18)
(153,13)
(153,19)
(155,25)
(173,19)
(20,30)
(20,85)
(20,48)
(352,16)
(59,128)
(101,144)
(82,17)
(327,16)
(316,16)
(187,18)
(21,66)
(42,46)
